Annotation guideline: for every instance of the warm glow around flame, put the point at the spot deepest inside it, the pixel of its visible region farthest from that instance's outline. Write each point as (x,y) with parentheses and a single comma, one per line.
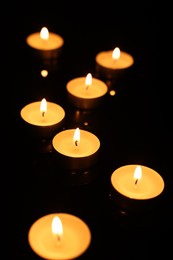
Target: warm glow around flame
(43,106)
(44,33)
(57,228)
(116,53)
(76,137)
(138,173)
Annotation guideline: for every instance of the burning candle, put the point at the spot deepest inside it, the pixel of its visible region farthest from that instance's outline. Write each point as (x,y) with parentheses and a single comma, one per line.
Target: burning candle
(46,45)
(43,118)
(86,92)
(59,236)
(76,149)
(135,186)
(112,63)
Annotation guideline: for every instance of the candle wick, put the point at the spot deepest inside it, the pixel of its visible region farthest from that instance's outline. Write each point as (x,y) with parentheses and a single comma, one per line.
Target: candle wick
(76,142)
(43,113)
(87,86)
(58,239)
(136,181)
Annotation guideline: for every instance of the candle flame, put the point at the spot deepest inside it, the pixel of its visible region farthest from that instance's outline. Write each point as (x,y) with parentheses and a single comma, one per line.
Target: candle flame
(43,107)
(137,174)
(88,80)
(116,54)
(44,33)
(57,228)
(76,137)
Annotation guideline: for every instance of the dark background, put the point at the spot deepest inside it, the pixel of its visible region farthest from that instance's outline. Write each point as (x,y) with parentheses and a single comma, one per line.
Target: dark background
(133,126)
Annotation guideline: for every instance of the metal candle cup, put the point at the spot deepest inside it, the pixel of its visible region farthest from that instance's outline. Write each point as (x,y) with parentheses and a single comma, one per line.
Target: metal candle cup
(74,242)
(84,156)
(136,195)
(46,50)
(83,97)
(40,126)
(109,68)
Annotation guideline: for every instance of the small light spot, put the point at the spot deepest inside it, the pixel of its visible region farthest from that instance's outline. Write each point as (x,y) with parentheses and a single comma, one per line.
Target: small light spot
(44,73)
(112,92)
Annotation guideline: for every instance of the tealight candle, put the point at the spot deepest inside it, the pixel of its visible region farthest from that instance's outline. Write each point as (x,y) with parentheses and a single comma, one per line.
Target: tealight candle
(112,63)
(86,92)
(136,186)
(76,149)
(44,119)
(59,236)
(46,45)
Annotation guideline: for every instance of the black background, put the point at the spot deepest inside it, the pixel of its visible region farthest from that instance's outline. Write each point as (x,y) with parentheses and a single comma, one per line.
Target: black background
(133,126)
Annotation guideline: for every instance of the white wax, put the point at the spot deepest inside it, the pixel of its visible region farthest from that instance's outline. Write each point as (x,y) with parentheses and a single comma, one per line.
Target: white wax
(54,41)
(75,239)
(63,143)
(105,59)
(149,186)
(77,87)
(32,115)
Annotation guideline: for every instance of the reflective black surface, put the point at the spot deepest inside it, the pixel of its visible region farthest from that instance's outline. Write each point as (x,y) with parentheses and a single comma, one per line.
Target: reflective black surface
(132,126)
